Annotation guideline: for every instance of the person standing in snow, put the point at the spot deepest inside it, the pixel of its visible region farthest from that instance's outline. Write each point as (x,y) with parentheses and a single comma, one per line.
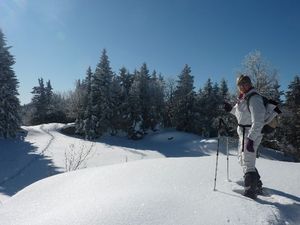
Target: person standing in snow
(250,114)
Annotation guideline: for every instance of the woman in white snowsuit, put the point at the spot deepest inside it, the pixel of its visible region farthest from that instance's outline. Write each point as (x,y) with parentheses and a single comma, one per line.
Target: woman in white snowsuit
(250,114)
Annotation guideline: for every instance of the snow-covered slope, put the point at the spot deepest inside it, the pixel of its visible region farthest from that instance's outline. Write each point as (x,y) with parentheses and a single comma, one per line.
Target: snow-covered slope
(158,191)
(43,151)
(132,190)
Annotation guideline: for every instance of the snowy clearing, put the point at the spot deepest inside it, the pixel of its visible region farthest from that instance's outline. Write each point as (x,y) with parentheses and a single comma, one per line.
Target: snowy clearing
(119,186)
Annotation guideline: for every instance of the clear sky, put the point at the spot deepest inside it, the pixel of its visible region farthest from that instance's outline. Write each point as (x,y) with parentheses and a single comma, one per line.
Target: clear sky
(59,39)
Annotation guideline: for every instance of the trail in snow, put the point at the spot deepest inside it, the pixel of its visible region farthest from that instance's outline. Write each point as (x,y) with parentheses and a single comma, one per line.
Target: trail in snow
(42,153)
(34,159)
(50,141)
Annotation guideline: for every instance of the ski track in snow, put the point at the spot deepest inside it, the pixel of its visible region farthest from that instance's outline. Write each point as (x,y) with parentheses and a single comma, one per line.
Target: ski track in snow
(28,164)
(50,141)
(136,153)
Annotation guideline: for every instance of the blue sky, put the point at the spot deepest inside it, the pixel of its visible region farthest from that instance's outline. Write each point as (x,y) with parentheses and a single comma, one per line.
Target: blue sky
(59,39)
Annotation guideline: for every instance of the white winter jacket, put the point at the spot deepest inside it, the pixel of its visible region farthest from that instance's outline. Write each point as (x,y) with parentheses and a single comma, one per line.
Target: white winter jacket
(254,116)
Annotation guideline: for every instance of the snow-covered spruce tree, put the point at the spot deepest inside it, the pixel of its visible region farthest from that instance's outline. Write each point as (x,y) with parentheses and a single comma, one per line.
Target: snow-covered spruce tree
(9,102)
(126,80)
(224,91)
(116,106)
(208,102)
(229,119)
(88,124)
(140,103)
(59,109)
(101,95)
(81,106)
(291,118)
(44,108)
(49,92)
(77,105)
(156,91)
(135,130)
(143,79)
(40,103)
(184,102)
(169,93)
(52,112)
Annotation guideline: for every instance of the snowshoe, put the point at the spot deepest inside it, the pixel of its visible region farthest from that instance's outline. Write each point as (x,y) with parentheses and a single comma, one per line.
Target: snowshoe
(251,185)
(250,194)
(259,188)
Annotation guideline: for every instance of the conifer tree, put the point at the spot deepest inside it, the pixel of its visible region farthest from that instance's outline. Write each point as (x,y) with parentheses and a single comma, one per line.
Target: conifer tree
(49,92)
(42,101)
(140,102)
(209,102)
(88,125)
(78,104)
(168,111)
(135,129)
(143,85)
(291,117)
(224,91)
(225,96)
(156,92)
(116,106)
(101,95)
(9,102)
(184,102)
(51,109)
(145,102)
(126,80)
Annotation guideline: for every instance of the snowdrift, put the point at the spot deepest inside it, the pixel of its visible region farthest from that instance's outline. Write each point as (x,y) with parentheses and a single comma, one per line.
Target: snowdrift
(155,191)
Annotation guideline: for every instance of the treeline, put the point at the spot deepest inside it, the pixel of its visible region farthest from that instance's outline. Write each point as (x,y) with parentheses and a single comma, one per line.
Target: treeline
(134,103)
(130,103)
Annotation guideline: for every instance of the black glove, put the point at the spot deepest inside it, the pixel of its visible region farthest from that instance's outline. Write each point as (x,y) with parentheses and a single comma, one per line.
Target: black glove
(227,107)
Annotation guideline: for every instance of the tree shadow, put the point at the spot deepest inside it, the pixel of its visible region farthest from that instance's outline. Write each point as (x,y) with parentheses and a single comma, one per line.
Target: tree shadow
(273,154)
(287,204)
(21,165)
(168,143)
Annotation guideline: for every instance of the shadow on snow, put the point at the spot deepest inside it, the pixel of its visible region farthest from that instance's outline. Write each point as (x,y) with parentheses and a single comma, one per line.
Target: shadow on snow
(169,143)
(21,165)
(287,204)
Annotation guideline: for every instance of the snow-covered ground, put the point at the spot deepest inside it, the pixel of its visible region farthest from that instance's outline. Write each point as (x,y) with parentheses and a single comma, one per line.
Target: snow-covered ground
(167,178)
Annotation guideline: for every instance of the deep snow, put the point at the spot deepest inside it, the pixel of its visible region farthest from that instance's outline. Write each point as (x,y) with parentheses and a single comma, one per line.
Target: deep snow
(159,190)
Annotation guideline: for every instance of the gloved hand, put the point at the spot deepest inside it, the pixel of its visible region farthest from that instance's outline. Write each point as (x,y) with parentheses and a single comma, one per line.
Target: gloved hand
(227,107)
(249,145)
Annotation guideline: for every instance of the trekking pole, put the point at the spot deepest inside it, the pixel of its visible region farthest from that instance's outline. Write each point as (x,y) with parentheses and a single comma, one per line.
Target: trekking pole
(227,159)
(226,131)
(217,157)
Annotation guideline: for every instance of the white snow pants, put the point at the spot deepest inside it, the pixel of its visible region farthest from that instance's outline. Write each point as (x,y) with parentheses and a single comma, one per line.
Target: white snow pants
(247,159)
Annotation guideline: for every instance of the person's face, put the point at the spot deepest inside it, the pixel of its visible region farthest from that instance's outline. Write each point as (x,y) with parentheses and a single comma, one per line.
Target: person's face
(243,88)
